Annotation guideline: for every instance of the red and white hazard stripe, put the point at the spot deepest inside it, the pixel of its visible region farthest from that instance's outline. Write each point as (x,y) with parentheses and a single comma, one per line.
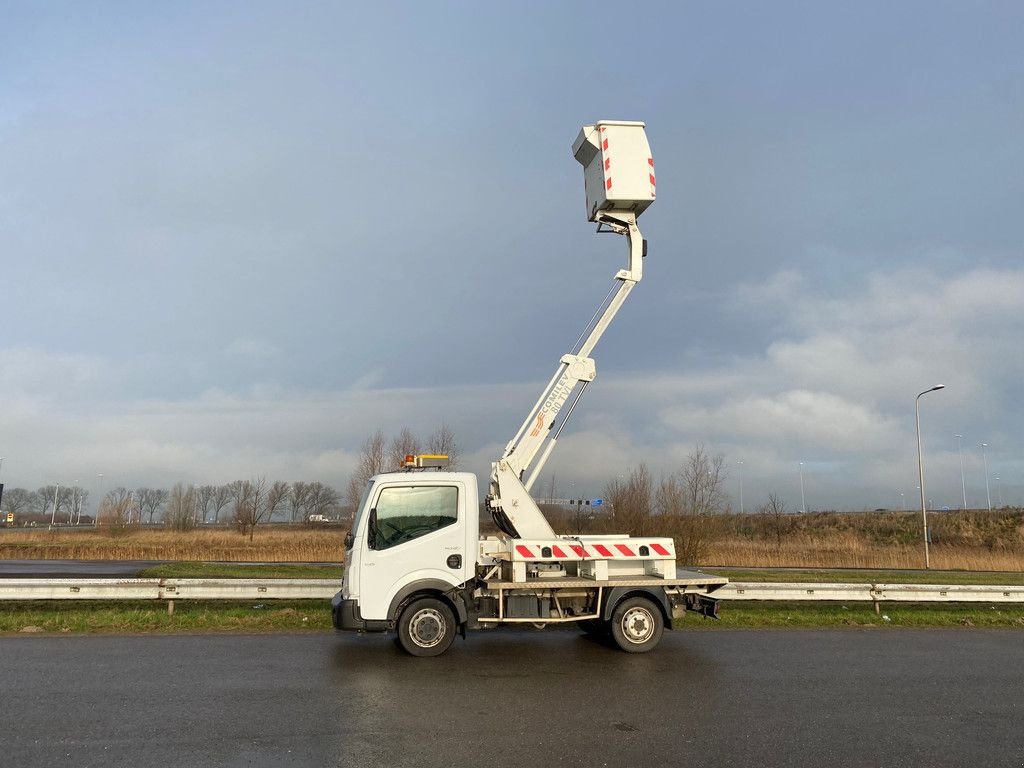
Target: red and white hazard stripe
(638,549)
(650,173)
(607,160)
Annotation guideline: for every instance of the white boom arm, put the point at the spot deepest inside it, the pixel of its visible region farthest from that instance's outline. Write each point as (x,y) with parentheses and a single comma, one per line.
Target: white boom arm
(508,490)
(620,185)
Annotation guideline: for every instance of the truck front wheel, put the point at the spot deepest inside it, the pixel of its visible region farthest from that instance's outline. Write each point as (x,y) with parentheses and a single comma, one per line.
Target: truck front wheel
(637,625)
(426,627)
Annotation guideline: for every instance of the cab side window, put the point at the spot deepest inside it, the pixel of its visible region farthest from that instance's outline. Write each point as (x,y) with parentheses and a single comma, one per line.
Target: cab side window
(406,513)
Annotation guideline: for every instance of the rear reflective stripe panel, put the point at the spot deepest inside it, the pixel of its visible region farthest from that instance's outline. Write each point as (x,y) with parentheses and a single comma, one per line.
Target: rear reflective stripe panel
(580,551)
(524,551)
(625,550)
(603,550)
(660,550)
(557,552)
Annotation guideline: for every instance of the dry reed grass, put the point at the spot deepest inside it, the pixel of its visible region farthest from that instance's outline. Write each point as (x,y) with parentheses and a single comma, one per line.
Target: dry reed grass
(964,541)
(269,545)
(847,550)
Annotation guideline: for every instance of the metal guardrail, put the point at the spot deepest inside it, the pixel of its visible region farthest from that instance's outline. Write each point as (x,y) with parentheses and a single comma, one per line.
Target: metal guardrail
(168,589)
(317,589)
(875,593)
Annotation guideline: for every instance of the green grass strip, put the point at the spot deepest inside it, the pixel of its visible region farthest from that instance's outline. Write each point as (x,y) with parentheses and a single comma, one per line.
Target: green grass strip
(198,570)
(138,616)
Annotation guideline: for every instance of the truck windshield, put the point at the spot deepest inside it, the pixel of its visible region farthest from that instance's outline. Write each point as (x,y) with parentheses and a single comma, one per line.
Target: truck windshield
(405,513)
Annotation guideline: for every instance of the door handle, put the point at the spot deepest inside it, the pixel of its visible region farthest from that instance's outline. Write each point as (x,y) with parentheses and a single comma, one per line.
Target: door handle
(454,561)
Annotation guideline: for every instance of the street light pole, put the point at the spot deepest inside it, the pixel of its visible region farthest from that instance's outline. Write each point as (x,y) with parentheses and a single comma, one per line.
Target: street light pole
(920,469)
(99,501)
(740,473)
(803,505)
(984,458)
(963,484)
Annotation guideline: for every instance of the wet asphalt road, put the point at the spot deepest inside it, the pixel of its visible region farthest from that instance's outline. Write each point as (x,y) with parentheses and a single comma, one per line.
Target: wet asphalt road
(517,698)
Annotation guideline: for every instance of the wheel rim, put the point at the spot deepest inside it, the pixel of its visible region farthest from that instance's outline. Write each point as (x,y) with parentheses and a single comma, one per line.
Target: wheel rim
(427,628)
(637,625)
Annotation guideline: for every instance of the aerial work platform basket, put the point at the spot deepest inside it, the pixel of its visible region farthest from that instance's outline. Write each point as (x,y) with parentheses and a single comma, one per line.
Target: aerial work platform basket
(618,167)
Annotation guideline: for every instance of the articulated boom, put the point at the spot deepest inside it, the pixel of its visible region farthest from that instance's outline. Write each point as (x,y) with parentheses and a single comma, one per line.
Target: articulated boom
(516,512)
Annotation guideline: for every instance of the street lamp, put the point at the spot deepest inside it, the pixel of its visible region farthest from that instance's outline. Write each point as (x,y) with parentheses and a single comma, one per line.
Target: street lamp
(99,501)
(739,472)
(920,469)
(984,458)
(999,491)
(963,485)
(803,505)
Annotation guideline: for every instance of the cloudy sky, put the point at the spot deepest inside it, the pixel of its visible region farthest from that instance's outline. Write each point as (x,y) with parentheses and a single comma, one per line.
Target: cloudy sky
(236,238)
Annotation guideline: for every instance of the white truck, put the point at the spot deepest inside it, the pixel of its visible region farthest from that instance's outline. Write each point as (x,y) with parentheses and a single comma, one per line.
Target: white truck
(415,561)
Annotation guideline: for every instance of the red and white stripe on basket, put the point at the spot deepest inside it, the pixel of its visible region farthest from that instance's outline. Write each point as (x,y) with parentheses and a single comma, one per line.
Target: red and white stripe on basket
(590,550)
(607,160)
(650,173)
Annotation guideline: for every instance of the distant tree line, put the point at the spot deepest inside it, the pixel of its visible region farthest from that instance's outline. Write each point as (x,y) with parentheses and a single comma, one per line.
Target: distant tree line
(244,503)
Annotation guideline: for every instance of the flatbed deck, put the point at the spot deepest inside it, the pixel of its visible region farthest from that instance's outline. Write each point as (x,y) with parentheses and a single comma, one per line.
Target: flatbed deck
(682,579)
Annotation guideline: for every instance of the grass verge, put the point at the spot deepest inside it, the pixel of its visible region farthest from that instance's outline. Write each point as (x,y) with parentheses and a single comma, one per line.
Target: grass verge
(753,615)
(137,616)
(199,570)
(150,617)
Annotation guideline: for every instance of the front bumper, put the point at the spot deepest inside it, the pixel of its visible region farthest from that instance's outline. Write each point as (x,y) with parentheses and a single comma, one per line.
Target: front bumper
(345,615)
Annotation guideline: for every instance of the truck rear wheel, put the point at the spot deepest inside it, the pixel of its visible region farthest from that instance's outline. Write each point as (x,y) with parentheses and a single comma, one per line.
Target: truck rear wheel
(426,627)
(637,625)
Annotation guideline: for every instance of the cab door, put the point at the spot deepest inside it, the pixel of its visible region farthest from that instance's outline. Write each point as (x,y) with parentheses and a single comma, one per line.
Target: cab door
(414,532)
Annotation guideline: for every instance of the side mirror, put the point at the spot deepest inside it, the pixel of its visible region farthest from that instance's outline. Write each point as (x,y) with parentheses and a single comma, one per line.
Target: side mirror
(349,541)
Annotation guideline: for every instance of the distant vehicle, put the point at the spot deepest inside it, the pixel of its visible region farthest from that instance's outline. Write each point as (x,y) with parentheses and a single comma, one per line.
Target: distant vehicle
(316,519)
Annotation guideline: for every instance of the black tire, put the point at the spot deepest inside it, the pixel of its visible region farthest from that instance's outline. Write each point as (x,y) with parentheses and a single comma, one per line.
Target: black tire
(426,627)
(637,625)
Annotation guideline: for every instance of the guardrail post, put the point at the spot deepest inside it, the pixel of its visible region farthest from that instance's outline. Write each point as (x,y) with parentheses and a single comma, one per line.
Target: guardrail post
(170,607)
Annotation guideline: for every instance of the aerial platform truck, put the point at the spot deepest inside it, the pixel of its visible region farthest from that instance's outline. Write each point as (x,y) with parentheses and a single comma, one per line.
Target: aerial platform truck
(415,561)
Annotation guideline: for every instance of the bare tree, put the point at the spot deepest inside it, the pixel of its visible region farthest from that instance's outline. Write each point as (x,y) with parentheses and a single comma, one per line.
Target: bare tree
(773,513)
(18,500)
(181,507)
(150,501)
(252,504)
(703,477)
(322,498)
(631,501)
(405,444)
(692,533)
(222,496)
(442,441)
(277,498)
(50,496)
(371,462)
(204,500)
(115,510)
(299,499)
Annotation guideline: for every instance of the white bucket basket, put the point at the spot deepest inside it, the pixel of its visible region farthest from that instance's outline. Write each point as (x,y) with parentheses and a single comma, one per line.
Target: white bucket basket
(618,167)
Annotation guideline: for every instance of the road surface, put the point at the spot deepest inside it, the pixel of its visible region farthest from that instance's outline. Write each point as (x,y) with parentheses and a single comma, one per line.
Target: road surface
(877,697)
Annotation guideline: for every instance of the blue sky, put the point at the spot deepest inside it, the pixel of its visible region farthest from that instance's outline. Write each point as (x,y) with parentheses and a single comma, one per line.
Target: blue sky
(237,237)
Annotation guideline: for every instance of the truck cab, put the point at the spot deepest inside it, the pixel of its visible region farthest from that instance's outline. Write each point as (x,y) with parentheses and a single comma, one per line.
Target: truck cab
(415,534)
